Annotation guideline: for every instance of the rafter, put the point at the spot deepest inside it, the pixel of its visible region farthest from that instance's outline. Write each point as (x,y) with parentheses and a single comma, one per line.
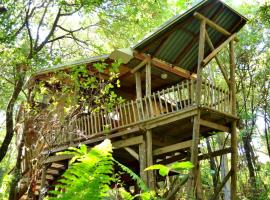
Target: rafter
(212,24)
(164,65)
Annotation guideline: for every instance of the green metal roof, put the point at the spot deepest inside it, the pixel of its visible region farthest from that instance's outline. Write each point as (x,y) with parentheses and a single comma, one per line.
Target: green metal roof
(72,64)
(176,41)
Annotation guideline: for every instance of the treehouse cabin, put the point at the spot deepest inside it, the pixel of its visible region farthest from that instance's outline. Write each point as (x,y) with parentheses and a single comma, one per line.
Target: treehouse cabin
(170,103)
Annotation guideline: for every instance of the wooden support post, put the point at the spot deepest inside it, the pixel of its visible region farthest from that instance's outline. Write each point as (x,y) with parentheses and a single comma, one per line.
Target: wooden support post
(149,145)
(142,160)
(149,152)
(138,84)
(42,184)
(148,79)
(194,190)
(200,59)
(194,182)
(233,125)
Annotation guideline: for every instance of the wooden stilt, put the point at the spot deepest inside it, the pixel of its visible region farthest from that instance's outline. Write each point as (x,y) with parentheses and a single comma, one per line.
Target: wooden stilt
(142,157)
(149,145)
(194,182)
(233,125)
(194,190)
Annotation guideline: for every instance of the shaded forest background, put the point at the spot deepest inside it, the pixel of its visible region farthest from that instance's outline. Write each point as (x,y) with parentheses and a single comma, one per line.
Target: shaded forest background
(42,34)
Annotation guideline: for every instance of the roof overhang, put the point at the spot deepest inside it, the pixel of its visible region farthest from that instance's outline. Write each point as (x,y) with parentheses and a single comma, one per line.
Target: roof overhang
(176,41)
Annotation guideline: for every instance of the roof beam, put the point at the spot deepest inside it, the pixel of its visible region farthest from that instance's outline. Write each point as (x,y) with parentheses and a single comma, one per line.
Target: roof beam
(212,24)
(164,65)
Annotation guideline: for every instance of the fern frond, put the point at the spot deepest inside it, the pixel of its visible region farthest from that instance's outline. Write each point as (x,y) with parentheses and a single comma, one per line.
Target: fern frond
(133,175)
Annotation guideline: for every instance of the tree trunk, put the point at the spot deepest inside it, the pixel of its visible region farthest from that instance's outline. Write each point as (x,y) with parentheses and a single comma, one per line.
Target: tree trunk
(213,166)
(224,168)
(248,154)
(266,130)
(14,191)
(9,114)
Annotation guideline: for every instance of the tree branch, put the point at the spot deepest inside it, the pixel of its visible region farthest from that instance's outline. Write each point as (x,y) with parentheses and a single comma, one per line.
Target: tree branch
(45,41)
(41,22)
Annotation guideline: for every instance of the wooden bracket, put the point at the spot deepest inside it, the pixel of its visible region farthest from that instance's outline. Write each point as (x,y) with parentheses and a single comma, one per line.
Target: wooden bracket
(221,67)
(139,66)
(132,152)
(217,50)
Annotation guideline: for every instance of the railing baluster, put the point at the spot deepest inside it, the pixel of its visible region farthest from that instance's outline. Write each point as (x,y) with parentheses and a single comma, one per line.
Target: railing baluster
(106,120)
(114,117)
(156,113)
(88,124)
(146,107)
(137,104)
(213,96)
(175,98)
(133,111)
(165,99)
(188,93)
(95,121)
(160,103)
(129,112)
(102,120)
(209,95)
(92,123)
(121,115)
(125,111)
(170,98)
(151,106)
(179,96)
(141,109)
(184,94)
(204,92)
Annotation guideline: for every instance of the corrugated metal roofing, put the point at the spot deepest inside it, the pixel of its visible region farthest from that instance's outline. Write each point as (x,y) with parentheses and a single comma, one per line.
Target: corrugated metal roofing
(176,41)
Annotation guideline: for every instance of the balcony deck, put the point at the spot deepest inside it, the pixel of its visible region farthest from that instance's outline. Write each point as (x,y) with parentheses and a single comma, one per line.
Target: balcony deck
(170,109)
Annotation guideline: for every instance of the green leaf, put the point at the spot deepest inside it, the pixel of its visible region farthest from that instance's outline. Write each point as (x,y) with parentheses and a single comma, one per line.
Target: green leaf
(163,170)
(182,165)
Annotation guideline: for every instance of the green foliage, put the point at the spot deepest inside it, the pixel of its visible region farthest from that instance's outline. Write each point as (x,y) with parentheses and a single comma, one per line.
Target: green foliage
(134,176)
(176,167)
(92,169)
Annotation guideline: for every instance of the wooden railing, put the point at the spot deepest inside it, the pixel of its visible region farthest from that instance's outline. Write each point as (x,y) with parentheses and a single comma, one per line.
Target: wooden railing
(173,99)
